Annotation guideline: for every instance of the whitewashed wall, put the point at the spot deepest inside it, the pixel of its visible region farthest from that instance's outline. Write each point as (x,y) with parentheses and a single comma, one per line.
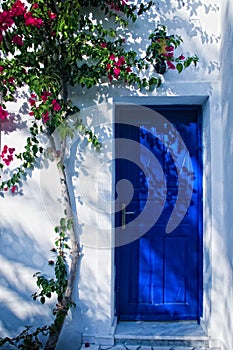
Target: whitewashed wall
(27,221)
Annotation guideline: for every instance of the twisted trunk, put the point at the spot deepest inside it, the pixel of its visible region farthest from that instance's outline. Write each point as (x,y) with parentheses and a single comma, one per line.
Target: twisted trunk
(62,308)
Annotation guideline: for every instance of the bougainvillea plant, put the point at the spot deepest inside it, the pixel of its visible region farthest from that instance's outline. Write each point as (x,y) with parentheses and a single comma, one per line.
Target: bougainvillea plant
(161,52)
(45,47)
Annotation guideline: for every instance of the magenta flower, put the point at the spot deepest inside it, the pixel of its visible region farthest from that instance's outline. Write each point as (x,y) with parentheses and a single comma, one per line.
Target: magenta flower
(118,63)
(7,158)
(45,96)
(112,57)
(13,189)
(29,20)
(170,54)
(52,15)
(169,48)
(16,39)
(11,150)
(122,60)
(56,105)
(116,72)
(18,9)
(32,101)
(11,80)
(181,57)
(32,21)
(45,117)
(5,149)
(170,65)
(103,45)
(5,20)
(1,69)
(39,22)
(3,113)
(110,77)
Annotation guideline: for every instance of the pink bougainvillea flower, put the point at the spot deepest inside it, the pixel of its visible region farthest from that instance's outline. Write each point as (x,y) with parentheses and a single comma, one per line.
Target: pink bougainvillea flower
(3,113)
(128,70)
(35,6)
(11,150)
(118,63)
(29,20)
(122,60)
(170,65)
(11,80)
(103,45)
(109,66)
(18,9)
(45,117)
(52,15)
(112,57)
(1,69)
(39,22)
(16,39)
(32,101)
(32,21)
(5,20)
(5,149)
(110,77)
(170,54)
(13,188)
(116,72)
(181,57)
(7,155)
(45,95)
(169,48)
(56,105)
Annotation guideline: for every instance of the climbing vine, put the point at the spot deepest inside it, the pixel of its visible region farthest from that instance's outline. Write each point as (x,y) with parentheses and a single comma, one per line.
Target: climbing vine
(45,47)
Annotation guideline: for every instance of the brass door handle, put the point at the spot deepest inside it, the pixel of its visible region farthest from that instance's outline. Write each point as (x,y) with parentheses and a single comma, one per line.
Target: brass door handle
(123,215)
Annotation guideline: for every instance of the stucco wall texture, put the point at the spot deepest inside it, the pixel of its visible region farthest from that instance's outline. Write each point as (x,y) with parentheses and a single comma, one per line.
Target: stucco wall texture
(27,220)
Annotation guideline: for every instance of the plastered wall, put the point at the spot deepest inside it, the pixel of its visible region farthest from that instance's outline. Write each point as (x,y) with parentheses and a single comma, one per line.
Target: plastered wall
(27,220)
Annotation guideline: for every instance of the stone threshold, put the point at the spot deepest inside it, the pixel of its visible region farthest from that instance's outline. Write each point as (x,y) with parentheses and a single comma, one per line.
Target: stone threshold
(180,333)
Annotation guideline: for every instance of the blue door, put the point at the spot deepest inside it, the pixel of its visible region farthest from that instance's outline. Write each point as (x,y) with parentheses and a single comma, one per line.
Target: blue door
(158,161)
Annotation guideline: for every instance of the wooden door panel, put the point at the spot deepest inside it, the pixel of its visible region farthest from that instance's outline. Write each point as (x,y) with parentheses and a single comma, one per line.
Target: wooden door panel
(158,276)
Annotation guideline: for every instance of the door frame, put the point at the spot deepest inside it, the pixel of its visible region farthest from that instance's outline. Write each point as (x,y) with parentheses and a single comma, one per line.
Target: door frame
(187,101)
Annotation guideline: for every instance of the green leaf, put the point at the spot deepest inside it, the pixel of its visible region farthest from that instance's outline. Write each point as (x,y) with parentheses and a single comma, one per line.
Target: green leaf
(179,67)
(63,223)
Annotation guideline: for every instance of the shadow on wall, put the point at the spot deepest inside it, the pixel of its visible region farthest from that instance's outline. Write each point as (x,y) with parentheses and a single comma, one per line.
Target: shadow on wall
(189,19)
(199,25)
(20,258)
